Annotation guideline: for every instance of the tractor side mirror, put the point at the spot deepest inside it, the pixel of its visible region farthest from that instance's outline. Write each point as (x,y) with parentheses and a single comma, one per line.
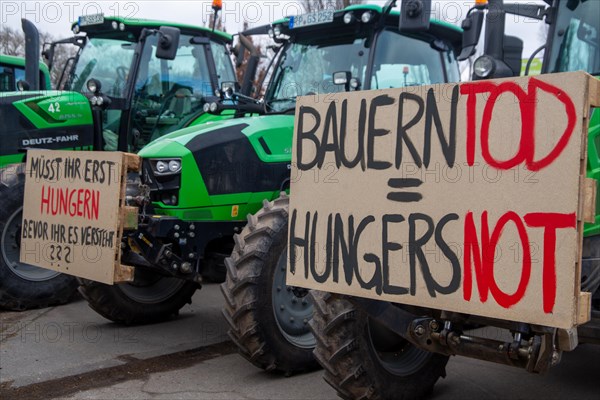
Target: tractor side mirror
(228,89)
(168,42)
(471,32)
(513,53)
(23,86)
(414,15)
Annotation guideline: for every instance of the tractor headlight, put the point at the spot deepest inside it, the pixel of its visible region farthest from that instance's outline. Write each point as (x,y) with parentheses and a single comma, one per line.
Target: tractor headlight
(174,166)
(162,167)
(348,18)
(366,17)
(484,67)
(166,166)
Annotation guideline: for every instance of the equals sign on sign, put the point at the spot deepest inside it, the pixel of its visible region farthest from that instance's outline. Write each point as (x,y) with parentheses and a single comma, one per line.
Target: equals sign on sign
(404,196)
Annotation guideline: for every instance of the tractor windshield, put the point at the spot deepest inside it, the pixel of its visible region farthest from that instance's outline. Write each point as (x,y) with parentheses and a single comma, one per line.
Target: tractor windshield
(306,67)
(107,60)
(168,93)
(576,41)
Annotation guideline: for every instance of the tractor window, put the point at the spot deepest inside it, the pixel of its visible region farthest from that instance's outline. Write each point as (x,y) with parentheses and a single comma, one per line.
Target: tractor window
(168,93)
(7,79)
(404,61)
(223,63)
(576,41)
(107,60)
(307,68)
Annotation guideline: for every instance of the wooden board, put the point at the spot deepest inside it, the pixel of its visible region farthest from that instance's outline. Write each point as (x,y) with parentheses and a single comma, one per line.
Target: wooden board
(461,197)
(74,213)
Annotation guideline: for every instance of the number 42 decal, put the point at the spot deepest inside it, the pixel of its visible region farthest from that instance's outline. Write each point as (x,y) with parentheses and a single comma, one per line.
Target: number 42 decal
(54,107)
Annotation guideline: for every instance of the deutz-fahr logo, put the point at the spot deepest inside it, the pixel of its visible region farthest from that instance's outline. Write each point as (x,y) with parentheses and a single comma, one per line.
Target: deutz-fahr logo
(50,140)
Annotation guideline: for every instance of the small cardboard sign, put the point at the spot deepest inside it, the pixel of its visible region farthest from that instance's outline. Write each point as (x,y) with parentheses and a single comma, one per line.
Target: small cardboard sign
(71,212)
(462,197)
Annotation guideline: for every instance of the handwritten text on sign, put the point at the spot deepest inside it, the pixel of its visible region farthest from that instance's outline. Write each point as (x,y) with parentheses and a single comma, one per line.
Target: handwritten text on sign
(455,197)
(71,212)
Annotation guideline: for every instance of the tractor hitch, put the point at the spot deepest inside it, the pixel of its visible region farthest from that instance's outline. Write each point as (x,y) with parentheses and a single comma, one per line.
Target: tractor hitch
(530,349)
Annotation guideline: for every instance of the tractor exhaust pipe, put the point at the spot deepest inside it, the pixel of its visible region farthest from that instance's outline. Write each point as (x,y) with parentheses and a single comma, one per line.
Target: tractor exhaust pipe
(32,54)
(252,66)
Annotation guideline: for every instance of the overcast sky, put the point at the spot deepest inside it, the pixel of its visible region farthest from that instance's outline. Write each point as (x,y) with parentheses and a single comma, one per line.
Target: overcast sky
(55,17)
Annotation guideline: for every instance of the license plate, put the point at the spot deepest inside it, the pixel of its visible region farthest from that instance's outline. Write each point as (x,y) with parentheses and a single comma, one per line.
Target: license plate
(314,18)
(94,19)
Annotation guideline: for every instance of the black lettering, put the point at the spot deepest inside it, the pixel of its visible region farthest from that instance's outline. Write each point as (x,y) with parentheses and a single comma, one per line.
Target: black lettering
(330,126)
(432,116)
(387,248)
(416,251)
(302,135)
(454,284)
(372,163)
(362,118)
(402,134)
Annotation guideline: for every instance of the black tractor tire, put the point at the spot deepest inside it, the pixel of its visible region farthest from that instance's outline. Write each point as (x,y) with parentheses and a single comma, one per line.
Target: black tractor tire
(24,286)
(149,300)
(356,367)
(268,320)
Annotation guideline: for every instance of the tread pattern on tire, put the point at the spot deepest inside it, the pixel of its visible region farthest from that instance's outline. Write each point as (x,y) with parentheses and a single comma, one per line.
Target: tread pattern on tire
(17,294)
(247,293)
(350,365)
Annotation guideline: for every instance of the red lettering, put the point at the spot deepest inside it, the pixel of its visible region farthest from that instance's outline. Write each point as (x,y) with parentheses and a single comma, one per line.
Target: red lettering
(550,222)
(79,202)
(503,299)
(45,200)
(95,205)
(472,248)
(534,85)
(72,204)
(527,105)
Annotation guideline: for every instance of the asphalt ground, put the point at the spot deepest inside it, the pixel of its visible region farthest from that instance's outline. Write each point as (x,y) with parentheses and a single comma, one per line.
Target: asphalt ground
(70,352)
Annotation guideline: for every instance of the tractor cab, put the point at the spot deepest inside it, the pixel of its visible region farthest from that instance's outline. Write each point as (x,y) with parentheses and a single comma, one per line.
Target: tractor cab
(573,41)
(148,77)
(12,71)
(358,48)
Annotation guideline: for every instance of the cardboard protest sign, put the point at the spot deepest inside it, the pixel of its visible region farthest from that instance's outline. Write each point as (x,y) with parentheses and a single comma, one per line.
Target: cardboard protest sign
(71,213)
(461,197)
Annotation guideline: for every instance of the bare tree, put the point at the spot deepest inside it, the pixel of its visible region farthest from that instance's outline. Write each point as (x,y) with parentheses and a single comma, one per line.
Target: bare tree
(316,5)
(12,43)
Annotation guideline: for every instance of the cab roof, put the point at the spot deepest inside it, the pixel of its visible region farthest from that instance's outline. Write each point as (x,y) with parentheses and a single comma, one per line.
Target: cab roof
(438,29)
(135,25)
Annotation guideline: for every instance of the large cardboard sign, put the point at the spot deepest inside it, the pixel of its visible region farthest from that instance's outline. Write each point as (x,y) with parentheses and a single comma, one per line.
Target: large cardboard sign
(72,213)
(461,197)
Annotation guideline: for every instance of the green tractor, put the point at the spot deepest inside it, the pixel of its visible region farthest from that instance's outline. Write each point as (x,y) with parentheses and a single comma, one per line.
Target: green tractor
(130,82)
(12,71)
(362,355)
(202,184)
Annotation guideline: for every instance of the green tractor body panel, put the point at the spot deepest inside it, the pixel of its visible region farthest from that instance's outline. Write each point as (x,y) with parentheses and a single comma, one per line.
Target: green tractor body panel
(225,183)
(12,70)
(593,167)
(46,119)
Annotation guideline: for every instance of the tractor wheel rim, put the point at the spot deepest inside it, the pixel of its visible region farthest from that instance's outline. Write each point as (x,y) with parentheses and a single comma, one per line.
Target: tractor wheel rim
(11,249)
(154,293)
(404,360)
(292,307)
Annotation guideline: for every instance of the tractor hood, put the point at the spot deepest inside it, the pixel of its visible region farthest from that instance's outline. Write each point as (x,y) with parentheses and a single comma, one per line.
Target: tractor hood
(269,135)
